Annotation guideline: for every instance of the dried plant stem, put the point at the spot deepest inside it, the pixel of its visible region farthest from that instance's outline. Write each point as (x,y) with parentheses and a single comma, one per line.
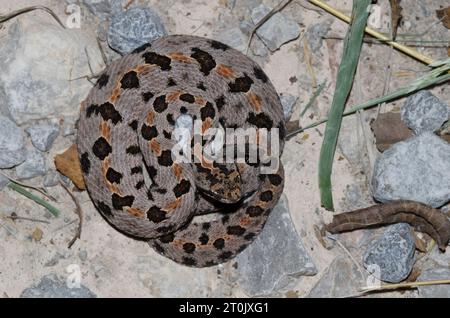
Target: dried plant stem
(405,285)
(6,17)
(407,50)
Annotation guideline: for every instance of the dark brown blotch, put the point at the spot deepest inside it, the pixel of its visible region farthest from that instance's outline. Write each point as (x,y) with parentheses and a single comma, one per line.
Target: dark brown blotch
(189,248)
(162,61)
(165,159)
(219,243)
(241,84)
(235,230)
(203,239)
(139,185)
(85,163)
(160,104)
(104,208)
(188,98)
(113,176)
(254,211)
(156,215)
(260,120)
(130,80)
(220,102)
(275,179)
(205,60)
(266,196)
(189,261)
(102,80)
(218,45)
(149,132)
(259,74)
(119,202)
(141,48)
(182,188)
(207,111)
(101,148)
(133,150)
(147,96)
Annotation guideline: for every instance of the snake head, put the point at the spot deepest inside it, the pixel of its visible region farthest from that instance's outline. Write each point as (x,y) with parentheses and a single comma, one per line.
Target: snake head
(221,182)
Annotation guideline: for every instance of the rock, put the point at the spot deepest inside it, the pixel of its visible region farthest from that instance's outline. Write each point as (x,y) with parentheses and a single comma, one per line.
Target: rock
(52,179)
(434,291)
(69,126)
(316,33)
(43,135)
(3,182)
(103,9)
(234,38)
(416,169)
(393,253)
(288,101)
(34,165)
(51,286)
(38,59)
(341,279)
(12,145)
(277,30)
(131,29)
(424,112)
(276,257)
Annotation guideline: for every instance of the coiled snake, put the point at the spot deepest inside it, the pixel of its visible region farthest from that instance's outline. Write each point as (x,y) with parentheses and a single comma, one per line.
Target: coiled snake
(126,127)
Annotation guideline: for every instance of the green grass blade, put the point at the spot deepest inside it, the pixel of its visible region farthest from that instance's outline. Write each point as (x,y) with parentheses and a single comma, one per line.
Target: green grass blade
(425,81)
(344,81)
(29,195)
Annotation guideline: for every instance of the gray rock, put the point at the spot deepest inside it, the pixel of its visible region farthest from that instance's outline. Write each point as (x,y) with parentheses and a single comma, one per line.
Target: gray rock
(416,169)
(434,291)
(103,9)
(393,253)
(51,286)
(12,151)
(51,179)
(316,33)
(43,135)
(3,182)
(34,165)
(36,61)
(275,257)
(277,30)
(288,101)
(131,29)
(234,38)
(341,279)
(68,127)
(424,112)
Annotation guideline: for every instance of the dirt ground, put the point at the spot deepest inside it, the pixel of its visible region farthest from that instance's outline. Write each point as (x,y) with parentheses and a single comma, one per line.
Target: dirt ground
(113,265)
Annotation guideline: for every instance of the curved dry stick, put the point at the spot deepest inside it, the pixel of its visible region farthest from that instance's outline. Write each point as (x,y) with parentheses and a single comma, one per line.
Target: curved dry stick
(422,217)
(6,17)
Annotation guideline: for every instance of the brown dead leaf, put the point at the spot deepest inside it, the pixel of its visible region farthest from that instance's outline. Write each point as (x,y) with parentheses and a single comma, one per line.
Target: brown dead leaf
(389,129)
(396,16)
(444,16)
(421,245)
(69,165)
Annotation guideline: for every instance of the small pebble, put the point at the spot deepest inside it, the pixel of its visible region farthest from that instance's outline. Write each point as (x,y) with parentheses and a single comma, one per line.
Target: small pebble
(424,112)
(43,135)
(34,165)
(392,254)
(12,151)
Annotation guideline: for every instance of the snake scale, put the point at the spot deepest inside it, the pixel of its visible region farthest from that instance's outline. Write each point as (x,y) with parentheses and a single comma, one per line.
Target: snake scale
(126,129)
